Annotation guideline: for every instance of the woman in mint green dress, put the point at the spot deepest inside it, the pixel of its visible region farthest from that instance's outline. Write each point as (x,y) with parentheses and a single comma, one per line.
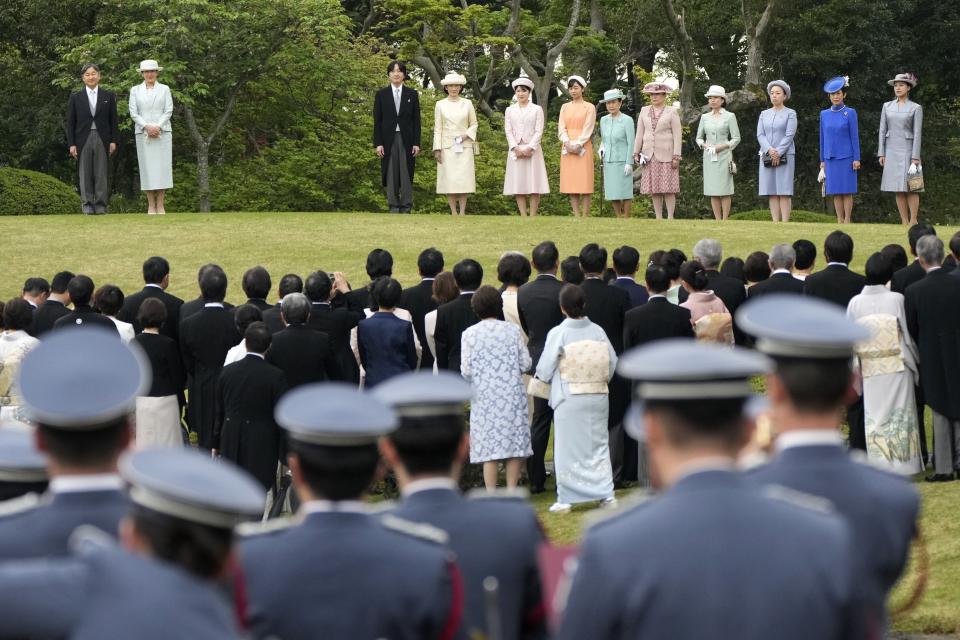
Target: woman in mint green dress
(616,153)
(718,135)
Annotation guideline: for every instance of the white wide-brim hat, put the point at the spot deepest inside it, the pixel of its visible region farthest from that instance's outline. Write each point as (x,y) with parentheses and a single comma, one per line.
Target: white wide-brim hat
(715,91)
(149,65)
(578,79)
(522,82)
(453,78)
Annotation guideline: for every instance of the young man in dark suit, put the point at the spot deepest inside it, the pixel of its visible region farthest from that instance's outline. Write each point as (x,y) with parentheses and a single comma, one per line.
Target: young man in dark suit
(92,136)
(781,280)
(256,286)
(626,261)
(156,278)
(913,272)
(336,322)
(538,304)
(302,353)
(205,338)
(836,283)
(55,306)
(455,316)
(81,290)
(272,317)
(658,319)
(192,306)
(418,299)
(379,265)
(396,137)
(35,292)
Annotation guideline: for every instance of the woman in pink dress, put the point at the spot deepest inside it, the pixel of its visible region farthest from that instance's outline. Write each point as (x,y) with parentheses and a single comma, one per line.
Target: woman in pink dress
(711,319)
(656,150)
(526,176)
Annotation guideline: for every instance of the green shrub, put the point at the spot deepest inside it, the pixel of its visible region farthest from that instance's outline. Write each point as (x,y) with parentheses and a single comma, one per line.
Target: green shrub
(761,215)
(25,192)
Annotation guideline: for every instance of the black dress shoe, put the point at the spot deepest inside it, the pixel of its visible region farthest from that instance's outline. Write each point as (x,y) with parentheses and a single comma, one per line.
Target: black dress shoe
(940,477)
(535,489)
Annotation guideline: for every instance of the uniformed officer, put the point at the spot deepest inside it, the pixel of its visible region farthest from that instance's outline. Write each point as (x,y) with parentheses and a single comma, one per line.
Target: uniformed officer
(712,557)
(23,471)
(812,344)
(79,386)
(493,534)
(178,540)
(340,572)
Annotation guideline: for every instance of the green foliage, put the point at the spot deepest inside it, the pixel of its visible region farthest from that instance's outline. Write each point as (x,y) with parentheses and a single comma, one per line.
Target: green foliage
(25,192)
(761,215)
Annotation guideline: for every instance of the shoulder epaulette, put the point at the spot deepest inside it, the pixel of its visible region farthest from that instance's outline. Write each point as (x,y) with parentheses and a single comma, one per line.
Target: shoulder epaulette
(274,525)
(415,529)
(518,493)
(20,504)
(87,538)
(624,506)
(798,498)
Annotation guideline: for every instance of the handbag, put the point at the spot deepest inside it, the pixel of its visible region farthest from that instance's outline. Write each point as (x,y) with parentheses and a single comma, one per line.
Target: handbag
(476,148)
(538,388)
(915,182)
(768,161)
(732,167)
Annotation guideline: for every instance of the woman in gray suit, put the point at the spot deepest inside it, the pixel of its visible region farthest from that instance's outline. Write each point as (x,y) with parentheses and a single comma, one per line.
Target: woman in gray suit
(901,123)
(775,132)
(151,107)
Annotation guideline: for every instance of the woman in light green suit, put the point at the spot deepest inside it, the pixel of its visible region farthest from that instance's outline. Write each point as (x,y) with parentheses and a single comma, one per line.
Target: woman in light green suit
(151,107)
(616,153)
(718,135)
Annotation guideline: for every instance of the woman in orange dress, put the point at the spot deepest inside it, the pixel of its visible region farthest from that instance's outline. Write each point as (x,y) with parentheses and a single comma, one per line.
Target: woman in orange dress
(575,128)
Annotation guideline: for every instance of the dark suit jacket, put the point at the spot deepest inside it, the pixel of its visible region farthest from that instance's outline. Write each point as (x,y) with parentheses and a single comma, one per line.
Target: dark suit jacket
(637,292)
(905,277)
(606,306)
(386,119)
(538,304)
(131,306)
(273,319)
(164,356)
(418,300)
(337,323)
(776,283)
(304,355)
(85,316)
(189,308)
(835,283)
(656,320)
(453,318)
(386,347)
(79,119)
(932,308)
(259,303)
(47,314)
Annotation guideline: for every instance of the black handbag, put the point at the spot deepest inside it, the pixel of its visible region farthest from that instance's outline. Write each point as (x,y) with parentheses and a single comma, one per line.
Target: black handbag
(768,161)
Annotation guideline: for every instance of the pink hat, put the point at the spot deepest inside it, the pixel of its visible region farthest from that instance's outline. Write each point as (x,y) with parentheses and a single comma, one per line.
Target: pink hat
(656,87)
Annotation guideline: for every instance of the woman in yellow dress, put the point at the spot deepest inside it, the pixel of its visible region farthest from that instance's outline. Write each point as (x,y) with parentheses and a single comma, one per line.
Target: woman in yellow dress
(575,128)
(454,131)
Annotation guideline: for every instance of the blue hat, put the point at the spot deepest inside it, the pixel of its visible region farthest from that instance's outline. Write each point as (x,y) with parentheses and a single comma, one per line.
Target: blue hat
(19,459)
(835,84)
(420,394)
(191,486)
(682,370)
(800,327)
(333,414)
(82,378)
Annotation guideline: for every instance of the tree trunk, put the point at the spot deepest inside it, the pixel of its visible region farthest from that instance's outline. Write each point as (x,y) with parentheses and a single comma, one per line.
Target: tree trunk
(203,177)
(687,112)
(755,33)
(544,81)
(202,143)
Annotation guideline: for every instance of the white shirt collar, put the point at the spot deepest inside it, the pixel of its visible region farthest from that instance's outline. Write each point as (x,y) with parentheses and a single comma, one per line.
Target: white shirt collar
(32,303)
(92,92)
(251,353)
(427,279)
(934,268)
(213,304)
(655,295)
(331,506)
(153,284)
(841,264)
(92,482)
(426,484)
(630,278)
(463,293)
(707,463)
(787,271)
(550,275)
(808,438)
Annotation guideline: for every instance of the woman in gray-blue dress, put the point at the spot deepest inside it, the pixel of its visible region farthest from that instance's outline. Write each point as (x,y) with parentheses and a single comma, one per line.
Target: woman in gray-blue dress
(775,132)
(901,125)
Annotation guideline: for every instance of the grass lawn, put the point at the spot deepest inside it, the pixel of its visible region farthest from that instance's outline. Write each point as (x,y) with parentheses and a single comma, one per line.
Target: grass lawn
(112,248)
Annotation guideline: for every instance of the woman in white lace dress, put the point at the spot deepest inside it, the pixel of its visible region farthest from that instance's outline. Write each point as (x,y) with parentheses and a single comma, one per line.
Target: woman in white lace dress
(493,358)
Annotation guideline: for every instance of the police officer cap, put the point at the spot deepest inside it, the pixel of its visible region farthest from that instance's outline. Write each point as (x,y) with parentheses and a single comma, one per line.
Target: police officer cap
(190,486)
(19,459)
(81,378)
(800,327)
(334,414)
(422,394)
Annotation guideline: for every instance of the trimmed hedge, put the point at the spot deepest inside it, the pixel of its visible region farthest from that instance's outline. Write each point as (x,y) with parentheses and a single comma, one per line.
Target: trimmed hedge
(25,192)
(763,215)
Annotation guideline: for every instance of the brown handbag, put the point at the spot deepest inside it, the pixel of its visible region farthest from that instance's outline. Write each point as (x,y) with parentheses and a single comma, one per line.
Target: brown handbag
(915,182)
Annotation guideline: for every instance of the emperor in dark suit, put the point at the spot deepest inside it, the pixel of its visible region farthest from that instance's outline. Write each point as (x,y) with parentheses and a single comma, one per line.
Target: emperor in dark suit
(92,136)
(396,136)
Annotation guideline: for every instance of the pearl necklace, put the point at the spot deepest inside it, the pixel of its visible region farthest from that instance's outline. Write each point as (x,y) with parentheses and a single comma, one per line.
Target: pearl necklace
(837,108)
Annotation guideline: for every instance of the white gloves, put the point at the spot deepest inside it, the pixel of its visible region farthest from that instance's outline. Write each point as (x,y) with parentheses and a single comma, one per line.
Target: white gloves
(627,170)
(643,160)
(914,169)
(822,175)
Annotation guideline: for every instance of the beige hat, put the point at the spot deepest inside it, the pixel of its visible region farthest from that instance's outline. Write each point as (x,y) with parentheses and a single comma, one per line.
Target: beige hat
(715,91)
(522,81)
(453,78)
(908,78)
(149,65)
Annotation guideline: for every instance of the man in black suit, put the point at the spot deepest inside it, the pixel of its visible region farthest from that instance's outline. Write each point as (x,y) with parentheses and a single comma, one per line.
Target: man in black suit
(256,286)
(192,306)
(81,290)
(303,354)
(456,316)
(205,338)
(836,282)
(396,137)
(336,323)
(806,253)
(913,272)
(55,306)
(730,290)
(156,278)
(35,292)
(418,299)
(658,319)
(606,307)
(781,280)
(92,136)
(932,308)
(626,262)
(538,305)
(272,317)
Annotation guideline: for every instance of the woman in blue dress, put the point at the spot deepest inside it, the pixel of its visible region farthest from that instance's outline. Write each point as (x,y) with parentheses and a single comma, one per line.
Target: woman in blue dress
(839,149)
(775,132)
(616,152)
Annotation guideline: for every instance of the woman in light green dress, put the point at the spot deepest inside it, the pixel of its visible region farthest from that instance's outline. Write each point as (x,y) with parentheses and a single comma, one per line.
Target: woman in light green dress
(718,135)
(616,153)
